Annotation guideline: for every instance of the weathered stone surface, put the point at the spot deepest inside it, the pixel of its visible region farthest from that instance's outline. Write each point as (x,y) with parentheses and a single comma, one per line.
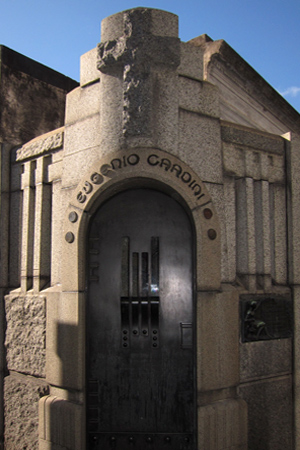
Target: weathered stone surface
(265,359)
(246,245)
(223,425)
(217,194)
(82,135)
(82,103)
(270,413)
(198,96)
(21,397)
(241,161)
(26,333)
(293,206)
(133,54)
(203,155)
(296,368)
(32,97)
(217,339)
(88,68)
(246,98)
(191,61)
(252,138)
(279,233)
(46,143)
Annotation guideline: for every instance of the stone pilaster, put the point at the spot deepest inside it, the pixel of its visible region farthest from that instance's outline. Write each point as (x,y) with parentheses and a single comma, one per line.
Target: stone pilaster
(27,225)
(42,226)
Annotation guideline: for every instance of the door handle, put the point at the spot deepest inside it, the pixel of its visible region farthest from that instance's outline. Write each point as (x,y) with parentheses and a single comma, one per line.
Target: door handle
(186,335)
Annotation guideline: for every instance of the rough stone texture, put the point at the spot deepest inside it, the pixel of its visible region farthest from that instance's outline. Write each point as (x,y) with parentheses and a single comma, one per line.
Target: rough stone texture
(26,333)
(265,359)
(203,155)
(217,194)
(278,233)
(239,135)
(82,103)
(2,362)
(139,80)
(198,96)
(159,23)
(296,371)
(229,270)
(21,397)
(270,413)
(32,97)
(191,61)
(48,142)
(82,135)
(246,248)
(241,161)
(134,53)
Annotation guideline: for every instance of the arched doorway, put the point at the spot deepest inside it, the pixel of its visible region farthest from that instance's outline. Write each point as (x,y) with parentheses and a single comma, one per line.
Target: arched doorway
(140,325)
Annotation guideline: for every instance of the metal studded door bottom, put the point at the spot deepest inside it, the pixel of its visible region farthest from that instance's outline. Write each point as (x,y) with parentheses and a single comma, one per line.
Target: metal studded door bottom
(142,441)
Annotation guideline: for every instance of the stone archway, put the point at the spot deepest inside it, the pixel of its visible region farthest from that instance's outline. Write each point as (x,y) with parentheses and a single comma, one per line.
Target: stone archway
(216,305)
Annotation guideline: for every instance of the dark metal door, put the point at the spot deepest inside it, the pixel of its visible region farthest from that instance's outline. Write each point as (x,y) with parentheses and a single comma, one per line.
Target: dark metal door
(140,364)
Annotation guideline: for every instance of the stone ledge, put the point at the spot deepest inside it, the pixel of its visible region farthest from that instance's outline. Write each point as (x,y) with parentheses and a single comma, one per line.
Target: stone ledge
(42,144)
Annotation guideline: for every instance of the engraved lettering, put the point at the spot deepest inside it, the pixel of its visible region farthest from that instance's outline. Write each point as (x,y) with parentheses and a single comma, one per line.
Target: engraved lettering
(107,171)
(186,177)
(113,165)
(133,159)
(176,168)
(87,188)
(81,197)
(165,163)
(198,191)
(96,178)
(150,160)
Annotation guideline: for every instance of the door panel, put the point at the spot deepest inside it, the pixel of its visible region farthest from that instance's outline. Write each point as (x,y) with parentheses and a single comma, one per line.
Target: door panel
(140,365)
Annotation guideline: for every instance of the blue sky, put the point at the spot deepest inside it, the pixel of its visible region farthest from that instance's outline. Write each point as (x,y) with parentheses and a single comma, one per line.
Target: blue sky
(266,33)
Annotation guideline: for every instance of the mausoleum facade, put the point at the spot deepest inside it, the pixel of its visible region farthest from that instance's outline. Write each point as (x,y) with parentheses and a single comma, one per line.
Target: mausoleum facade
(149,253)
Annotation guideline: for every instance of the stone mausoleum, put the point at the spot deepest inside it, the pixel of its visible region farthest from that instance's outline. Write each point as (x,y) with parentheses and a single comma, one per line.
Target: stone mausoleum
(150,248)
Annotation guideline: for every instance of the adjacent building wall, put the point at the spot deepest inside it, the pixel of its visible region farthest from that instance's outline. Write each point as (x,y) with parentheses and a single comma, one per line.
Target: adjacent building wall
(32,102)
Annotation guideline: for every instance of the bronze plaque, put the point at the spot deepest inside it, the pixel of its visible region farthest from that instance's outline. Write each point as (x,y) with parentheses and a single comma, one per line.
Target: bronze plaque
(265,318)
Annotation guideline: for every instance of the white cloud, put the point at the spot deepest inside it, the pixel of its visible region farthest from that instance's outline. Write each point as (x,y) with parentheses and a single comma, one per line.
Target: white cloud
(293,91)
